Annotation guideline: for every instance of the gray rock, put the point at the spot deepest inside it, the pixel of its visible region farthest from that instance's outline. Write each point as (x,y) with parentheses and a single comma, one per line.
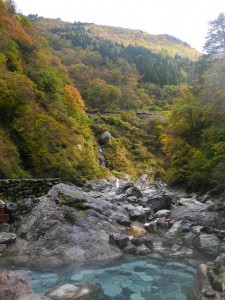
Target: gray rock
(134,215)
(143,250)
(121,219)
(222,248)
(131,199)
(137,241)
(122,189)
(68,194)
(218,263)
(119,240)
(33,297)
(158,202)
(148,242)
(55,233)
(12,285)
(25,205)
(74,292)
(201,282)
(197,214)
(162,213)
(209,294)
(188,239)
(7,237)
(152,226)
(11,207)
(197,229)
(143,179)
(105,137)
(216,282)
(133,192)
(98,186)
(207,243)
(5,227)
(188,201)
(2,248)
(130,249)
(172,235)
(186,227)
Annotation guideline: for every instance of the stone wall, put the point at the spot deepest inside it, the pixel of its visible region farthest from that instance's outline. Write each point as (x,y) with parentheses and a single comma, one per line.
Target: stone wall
(15,189)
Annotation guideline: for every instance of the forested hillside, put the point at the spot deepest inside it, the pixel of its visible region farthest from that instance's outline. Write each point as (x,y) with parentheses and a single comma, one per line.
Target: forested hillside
(194,138)
(54,72)
(44,130)
(116,68)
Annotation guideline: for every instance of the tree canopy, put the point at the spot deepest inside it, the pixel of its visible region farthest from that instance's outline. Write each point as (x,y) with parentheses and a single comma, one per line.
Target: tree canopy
(215,39)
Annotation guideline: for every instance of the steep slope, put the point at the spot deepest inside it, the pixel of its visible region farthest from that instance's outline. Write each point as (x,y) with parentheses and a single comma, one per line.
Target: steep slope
(46,64)
(44,130)
(116,68)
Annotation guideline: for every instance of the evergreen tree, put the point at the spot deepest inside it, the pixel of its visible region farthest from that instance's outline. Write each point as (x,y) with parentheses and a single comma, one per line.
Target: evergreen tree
(11,6)
(215,43)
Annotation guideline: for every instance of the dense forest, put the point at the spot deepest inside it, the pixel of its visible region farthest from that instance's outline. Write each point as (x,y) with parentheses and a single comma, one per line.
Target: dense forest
(63,84)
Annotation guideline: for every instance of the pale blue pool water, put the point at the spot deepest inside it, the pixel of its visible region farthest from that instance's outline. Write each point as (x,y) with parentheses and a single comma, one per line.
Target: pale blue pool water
(126,279)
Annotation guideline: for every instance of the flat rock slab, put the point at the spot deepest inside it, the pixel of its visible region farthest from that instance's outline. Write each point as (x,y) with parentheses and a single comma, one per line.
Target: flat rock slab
(33,297)
(73,292)
(198,214)
(7,237)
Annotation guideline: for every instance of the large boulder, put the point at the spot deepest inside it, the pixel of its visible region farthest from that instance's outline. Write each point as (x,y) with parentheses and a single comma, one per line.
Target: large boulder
(105,137)
(135,215)
(7,237)
(162,213)
(148,242)
(124,187)
(121,219)
(119,240)
(12,285)
(201,283)
(207,243)
(197,214)
(158,201)
(74,292)
(133,192)
(172,235)
(68,225)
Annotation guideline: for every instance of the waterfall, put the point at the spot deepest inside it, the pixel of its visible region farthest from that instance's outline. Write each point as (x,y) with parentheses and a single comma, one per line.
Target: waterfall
(102,159)
(117,183)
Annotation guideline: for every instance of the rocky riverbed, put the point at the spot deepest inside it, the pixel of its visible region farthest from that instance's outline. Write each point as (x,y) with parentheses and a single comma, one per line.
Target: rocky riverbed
(107,219)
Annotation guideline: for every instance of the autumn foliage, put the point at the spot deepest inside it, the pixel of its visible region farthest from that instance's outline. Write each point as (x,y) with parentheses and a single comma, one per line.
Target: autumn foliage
(44,130)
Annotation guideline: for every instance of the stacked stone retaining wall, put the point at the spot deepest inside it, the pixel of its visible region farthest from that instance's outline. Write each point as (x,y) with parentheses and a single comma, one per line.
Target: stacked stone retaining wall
(15,189)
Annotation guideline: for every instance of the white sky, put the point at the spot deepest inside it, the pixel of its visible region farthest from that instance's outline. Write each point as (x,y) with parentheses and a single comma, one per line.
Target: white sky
(184,19)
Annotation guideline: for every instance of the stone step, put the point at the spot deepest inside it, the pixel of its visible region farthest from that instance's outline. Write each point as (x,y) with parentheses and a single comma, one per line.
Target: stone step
(7,238)
(4,218)
(2,210)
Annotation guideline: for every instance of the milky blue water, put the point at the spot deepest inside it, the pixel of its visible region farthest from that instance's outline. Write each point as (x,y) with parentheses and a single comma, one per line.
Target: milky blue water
(125,279)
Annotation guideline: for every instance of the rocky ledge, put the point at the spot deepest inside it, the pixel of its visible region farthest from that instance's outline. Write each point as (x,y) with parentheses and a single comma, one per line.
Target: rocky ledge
(105,219)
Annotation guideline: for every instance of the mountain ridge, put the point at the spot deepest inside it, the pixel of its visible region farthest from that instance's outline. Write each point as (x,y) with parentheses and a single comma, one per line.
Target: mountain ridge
(126,36)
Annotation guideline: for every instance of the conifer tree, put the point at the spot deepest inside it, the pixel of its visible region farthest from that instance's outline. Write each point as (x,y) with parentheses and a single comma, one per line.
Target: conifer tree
(11,6)
(215,39)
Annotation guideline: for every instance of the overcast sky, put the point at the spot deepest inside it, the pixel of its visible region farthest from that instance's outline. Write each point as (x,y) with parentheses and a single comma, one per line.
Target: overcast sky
(184,19)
